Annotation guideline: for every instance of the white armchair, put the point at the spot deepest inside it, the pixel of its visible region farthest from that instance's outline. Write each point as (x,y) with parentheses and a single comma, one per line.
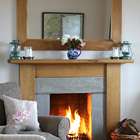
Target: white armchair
(52,127)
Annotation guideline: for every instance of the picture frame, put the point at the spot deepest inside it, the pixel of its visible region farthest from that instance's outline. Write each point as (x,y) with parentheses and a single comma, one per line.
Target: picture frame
(57,24)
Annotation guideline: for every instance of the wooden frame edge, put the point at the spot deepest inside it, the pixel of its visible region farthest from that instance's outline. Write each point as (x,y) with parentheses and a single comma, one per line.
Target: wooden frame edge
(116,20)
(22,13)
(39,44)
(52,44)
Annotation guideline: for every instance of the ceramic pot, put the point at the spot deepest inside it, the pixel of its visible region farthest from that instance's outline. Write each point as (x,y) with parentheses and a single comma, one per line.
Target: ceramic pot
(73,53)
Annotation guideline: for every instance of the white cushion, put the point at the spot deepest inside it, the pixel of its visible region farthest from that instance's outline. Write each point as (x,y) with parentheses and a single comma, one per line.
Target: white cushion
(21,114)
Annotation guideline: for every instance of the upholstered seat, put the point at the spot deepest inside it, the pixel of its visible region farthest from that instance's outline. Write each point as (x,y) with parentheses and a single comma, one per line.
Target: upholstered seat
(52,127)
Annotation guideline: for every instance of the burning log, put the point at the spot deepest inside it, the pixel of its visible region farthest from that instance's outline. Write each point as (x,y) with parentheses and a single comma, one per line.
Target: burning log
(79,137)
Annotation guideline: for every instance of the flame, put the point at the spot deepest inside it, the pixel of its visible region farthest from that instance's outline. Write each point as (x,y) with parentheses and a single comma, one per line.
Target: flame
(83,128)
(77,123)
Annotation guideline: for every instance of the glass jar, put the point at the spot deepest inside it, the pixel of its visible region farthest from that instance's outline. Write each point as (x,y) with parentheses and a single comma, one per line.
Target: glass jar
(28,51)
(115,52)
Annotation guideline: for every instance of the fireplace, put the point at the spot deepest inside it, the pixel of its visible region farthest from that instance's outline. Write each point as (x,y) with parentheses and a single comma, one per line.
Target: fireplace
(78,108)
(75,93)
(109,69)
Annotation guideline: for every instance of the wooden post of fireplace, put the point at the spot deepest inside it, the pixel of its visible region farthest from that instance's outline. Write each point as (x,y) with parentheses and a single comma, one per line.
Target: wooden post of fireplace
(31,69)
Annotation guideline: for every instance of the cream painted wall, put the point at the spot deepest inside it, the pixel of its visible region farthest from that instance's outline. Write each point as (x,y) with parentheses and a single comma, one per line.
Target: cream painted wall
(130,86)
(130,98)
(7,33)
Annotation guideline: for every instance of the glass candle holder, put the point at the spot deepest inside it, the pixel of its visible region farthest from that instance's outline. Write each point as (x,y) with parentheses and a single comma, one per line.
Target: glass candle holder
(28,51)
(115,52)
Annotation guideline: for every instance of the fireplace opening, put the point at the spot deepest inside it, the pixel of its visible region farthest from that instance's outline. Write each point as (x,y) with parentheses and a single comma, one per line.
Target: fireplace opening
(78,108)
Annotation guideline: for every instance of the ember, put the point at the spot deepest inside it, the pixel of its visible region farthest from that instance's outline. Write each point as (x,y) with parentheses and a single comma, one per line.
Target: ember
(79,137)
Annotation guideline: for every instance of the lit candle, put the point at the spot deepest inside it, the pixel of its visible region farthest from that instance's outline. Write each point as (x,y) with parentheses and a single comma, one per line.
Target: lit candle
(115,52)
(28,51)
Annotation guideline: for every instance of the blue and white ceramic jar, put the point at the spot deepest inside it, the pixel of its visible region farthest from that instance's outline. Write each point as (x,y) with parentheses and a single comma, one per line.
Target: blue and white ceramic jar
(73,53)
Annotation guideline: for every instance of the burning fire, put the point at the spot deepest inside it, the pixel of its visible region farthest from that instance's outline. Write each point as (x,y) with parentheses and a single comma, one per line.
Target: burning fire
(77,123)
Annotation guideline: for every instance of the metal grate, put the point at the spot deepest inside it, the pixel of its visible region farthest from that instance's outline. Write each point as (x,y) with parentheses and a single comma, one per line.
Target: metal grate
(79,137)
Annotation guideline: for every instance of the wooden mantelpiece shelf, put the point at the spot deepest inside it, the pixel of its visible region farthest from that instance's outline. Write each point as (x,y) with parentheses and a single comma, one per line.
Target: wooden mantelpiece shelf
(65,61)
(108,68)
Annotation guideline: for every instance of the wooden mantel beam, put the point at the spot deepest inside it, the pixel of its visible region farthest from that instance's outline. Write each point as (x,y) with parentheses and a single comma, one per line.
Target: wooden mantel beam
(66,61)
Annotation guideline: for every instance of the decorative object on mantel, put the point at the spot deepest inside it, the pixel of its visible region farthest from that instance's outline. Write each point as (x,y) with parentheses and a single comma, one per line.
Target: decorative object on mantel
(126,130)
(74,44)
(28,53)
(126,50)
(115,53)
(15,50)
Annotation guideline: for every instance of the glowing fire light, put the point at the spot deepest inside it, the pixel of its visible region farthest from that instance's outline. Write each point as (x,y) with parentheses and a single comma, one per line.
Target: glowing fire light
(76,123)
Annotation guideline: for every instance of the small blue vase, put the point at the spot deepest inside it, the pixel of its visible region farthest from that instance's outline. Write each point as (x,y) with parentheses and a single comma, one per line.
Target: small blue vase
(73,53)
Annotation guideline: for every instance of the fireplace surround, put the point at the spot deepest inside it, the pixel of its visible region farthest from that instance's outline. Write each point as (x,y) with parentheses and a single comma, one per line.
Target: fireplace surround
(84,94)
(110,69)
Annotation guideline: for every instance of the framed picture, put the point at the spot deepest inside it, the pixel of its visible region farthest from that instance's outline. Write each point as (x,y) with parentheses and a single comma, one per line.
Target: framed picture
(55,25)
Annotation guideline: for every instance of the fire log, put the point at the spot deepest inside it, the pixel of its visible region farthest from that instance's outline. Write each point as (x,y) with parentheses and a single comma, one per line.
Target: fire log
(126,127)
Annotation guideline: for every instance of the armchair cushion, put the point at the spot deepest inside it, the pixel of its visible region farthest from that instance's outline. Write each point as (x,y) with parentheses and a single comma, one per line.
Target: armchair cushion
(1,129)
(21,137)
(10,89)
(53,127)
(11,130)
(48,136)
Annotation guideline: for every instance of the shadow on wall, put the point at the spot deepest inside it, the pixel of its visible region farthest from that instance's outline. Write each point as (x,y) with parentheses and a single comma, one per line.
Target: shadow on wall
(8,72)
(4,51)
(134,111)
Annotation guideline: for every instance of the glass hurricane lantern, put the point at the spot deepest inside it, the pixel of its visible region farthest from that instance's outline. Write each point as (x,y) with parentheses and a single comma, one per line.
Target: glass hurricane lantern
(15,50)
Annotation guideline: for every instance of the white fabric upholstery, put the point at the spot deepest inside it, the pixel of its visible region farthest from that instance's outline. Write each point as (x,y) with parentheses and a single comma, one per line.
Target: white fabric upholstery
(21,114)
(1,128)
(21,137)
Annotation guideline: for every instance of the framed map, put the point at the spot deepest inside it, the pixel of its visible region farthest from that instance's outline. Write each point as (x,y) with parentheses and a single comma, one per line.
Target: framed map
(55,25)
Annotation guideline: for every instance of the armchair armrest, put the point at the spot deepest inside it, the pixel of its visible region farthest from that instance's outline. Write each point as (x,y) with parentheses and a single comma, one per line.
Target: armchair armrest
(20,137)
(56,125)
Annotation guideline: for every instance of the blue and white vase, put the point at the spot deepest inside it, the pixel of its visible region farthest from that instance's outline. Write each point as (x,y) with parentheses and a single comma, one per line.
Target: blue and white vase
(73,53)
